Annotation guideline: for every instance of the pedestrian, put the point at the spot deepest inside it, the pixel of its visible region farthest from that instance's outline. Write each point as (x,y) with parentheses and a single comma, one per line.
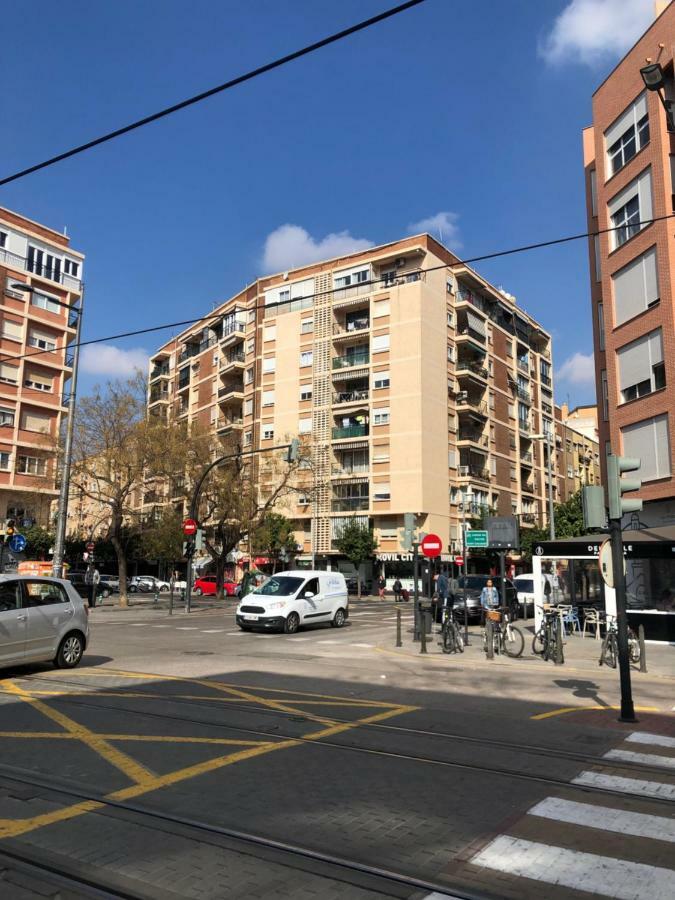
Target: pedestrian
(442,589)
(92,579)
(381,586)
(489,598)
(397,588)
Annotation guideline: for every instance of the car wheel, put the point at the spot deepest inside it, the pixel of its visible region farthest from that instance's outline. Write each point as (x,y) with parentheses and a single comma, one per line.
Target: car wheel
(197,592)
(132,589)
(70,651)
(292,623)
(105,593)
(339,618)
(164,589)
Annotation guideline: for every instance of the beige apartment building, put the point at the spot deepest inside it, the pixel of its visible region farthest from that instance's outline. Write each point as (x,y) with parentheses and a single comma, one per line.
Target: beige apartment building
(417,383)
(629,159)
(577,449)
(41,289)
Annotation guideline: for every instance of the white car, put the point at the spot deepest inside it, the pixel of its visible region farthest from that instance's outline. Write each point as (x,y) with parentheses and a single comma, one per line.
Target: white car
(525,587)
(41,620)
(291,599)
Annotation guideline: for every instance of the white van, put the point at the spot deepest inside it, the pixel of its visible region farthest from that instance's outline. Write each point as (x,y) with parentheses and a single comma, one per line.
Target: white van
(525,587)
(291,599)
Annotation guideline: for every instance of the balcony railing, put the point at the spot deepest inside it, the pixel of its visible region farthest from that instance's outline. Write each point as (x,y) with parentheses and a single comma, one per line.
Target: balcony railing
(232,326)
(349,504)
(524,395)
(52,273)
(475,406)
(350,396)
(159,372)
(351,359)
(355,327)
(227,424)
(349,431)
(526,459)
(545,380)
(474,367)
(350,471)
(232,358)
(527,486)
(183,383)
(529,518)
(524,426)
(231,392)
(188,352)
(476,437)
(524,364)
(159,396)
(470,471)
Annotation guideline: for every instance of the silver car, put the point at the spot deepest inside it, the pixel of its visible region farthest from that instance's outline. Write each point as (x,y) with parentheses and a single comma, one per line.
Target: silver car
(41,620)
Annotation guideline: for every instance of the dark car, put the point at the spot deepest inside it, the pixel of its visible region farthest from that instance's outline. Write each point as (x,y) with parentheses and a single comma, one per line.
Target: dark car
(353,587)
(474,586)
(77,580)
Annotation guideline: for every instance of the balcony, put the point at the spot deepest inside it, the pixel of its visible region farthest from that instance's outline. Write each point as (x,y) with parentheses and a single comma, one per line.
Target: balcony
(545,380)
(528,518)
(349,431)
(471,369)
(230,393)
(467,436)
(471,471)
(51,273)
(349,504)
(232,361)
(524,364)
(470,298)
(159,372)
(359,471)
(159,397)
(184,382)
(343,398)
(526,459)
(527,486)
(523,394)
(352,328)
(467,404)
(525,427)
(228,425)
(233,331)
(349,360)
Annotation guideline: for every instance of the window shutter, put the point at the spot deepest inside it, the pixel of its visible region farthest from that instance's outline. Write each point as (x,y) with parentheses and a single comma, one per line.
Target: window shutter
(632,115)
(9,373)
(475,323)
(33,421)
(11,329)
(634,363)
(645,194)
(635,287)
(649,440)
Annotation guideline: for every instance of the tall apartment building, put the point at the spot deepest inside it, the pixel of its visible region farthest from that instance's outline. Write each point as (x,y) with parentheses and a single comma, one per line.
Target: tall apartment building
(416,381)
(577,449)
(35,363)
(629,158)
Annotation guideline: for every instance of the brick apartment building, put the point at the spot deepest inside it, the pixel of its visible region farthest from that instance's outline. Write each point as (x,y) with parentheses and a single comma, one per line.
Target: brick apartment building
(416,380)
(577,449)
(630,178)
(35,363)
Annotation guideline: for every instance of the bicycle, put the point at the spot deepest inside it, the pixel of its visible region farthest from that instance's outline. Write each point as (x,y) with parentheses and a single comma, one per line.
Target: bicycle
(506,638)
(609,652)
(452,639)
(547,641)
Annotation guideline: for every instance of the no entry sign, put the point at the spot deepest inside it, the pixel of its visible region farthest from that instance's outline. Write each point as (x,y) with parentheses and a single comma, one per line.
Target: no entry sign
(432,546)
(459,560)
(189,527)
(90,546)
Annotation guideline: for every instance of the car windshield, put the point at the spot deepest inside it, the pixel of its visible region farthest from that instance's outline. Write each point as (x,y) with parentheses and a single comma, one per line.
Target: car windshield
(526,585)
(283,585)
(475,582)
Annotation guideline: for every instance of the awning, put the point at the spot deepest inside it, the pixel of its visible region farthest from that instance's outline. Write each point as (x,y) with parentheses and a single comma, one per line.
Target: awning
(352,445)
(476,323)
(346,374)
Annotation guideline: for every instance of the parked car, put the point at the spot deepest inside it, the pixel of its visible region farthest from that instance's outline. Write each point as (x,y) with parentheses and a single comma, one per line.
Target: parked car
(286,601)
(111,581)
(41,620)
(77,579)
(206,585)
(147,584)
(474,586)
(353,587)
(525,586)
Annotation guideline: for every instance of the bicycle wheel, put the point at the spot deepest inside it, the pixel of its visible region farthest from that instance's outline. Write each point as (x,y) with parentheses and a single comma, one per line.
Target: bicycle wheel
(459,637)
(514,642)
(448,639)
(539,642)
(609,651)
(633,647)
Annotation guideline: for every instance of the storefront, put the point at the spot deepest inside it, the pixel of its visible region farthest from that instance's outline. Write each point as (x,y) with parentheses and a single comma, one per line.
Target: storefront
(571,568)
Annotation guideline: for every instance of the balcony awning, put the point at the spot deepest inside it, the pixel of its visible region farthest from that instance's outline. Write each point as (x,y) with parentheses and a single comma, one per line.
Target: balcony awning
(476,323)
(353,445)
(345,374)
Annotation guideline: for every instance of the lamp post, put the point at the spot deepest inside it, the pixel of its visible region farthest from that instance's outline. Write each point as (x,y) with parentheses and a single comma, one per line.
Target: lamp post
(64,490)
(547,436)
(655,80)
(466,498)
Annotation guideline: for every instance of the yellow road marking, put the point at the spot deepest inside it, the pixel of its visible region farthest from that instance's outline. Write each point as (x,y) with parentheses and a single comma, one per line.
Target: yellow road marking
(369,720)
(10,828)
(169,739)
(569,709)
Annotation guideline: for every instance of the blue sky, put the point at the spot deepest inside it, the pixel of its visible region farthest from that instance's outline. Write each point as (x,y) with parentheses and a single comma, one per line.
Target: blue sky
(474,111)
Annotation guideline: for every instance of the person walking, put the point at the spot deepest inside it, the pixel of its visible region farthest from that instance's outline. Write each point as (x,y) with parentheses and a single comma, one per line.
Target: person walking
(381,586)
(397,588)
(489,599)
(442,589)
(91,579)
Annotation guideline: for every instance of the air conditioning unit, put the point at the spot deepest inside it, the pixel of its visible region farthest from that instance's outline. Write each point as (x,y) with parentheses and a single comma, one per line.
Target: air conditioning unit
(462,397)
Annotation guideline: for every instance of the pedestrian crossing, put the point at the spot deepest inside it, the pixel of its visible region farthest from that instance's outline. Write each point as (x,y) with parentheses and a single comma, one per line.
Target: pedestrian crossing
(616,844)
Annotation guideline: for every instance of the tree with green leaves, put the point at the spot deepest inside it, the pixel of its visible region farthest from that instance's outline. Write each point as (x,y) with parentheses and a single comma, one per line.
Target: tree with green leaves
(39,542)
(569,522)
(358,544)
(162,539)
(275,538)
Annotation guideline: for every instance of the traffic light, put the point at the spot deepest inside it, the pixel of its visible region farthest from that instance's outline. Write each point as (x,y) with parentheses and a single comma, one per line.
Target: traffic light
(616,485)
(593,504)
(407,533)
(9,530)
(293,452)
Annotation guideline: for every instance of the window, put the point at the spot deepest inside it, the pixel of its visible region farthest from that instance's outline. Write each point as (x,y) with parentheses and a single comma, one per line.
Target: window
(305,391)
(248,439)
(36,421)
(381,416)
(605,395)
(628,134)
(452,459)
(3,239)
(449,286)
(270,333)
(354,276)
(250,345)
(39,383)
(381,380)
(44,593)
(649,440)
(512,474)
(11,330)
(41,341)
(641,366)
(269,364)
(9,374)
(6,416)
(450,319)
(248,407)
(636,287)
(509,348)
(70,267)
(306,358)
(629,208)
(10,595)
(306,326)
(42,301)
(268,432)
(451,353)
(248,377)
(380,455)
(380,342)
(601,326)
(493,466)
(43,263)
(304,426)
(594,192)
(381,492)
(380,308)
(4,461)
(596,253)
(303,500)
(268,398)
(32,465)
(388,534)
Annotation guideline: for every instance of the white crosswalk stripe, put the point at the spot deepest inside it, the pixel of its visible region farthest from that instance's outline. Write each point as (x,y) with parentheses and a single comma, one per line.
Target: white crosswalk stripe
(648,759)
(656,740)
(626,785)
(604,818)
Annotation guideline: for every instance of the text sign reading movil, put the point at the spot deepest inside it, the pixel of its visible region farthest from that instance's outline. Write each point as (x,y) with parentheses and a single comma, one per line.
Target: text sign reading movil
(431,546)
(475,538)
(189,527)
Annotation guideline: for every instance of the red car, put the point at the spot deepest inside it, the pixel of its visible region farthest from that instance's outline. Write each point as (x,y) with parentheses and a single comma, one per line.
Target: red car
(206,586)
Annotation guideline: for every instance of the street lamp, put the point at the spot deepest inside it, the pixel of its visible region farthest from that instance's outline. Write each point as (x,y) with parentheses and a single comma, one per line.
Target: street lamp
(655,80)
(62,514)
(466,500)
(547,436)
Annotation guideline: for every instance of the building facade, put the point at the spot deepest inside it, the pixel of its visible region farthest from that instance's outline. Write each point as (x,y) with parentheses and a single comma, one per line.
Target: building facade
(418,384)
(629,159)
(41,277)
(577,449)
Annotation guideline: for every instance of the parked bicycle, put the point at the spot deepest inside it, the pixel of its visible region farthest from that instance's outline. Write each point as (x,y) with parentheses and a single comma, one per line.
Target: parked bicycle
(609,652)
(547,641)
(506,638)
(452,639)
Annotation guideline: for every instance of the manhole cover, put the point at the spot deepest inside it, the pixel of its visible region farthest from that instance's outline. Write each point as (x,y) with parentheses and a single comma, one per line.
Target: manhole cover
(197,653)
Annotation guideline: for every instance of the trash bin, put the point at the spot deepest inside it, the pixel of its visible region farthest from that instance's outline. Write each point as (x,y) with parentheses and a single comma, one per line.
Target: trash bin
(427,617)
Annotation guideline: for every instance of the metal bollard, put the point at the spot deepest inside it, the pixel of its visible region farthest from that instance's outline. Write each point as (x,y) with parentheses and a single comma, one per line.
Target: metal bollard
(423,632)
(558,654)
(490,638)
(399,642)
(417,627)
(156,597)
(643,649)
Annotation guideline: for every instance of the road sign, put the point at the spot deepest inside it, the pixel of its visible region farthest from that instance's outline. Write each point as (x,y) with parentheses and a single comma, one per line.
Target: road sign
(459,560)
(605,563)
(476,538)
(17,543)
(432,546)
(503,533)
(90,546)
(189,527)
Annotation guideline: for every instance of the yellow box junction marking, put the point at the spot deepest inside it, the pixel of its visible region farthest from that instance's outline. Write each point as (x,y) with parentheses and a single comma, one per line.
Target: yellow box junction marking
(143,780)
(570,709)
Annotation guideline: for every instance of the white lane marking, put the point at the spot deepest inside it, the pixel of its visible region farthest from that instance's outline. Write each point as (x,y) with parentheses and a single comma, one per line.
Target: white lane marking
(576,869)
(187,628)
(137,624)
(656,740)
(160,626)
(328,642)
(299,639)
(232,633)
(626,785)
(436,895)
(606,819)
(365,646)
(212,630)
(647,759)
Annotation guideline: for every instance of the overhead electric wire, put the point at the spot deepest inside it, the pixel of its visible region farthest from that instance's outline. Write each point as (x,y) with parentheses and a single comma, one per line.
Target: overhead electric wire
(227,85)
(215,316)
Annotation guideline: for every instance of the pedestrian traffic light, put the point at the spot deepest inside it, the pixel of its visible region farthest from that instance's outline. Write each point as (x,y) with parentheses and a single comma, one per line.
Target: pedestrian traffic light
(407,533)
(616,485)
(293,453)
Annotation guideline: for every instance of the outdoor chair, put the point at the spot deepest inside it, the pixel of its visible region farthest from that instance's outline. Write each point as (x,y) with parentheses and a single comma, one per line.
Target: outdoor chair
(592,619)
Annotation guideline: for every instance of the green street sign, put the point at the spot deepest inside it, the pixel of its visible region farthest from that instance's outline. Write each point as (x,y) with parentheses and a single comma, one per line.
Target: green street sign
(476,538)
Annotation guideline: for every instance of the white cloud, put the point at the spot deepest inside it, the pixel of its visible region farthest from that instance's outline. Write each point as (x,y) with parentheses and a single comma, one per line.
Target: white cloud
(104,359)
(590,31)
(578,369)
(443,225)
(290,246)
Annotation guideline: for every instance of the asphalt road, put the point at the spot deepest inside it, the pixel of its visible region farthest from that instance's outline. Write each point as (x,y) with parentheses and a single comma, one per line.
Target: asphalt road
(187,759)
